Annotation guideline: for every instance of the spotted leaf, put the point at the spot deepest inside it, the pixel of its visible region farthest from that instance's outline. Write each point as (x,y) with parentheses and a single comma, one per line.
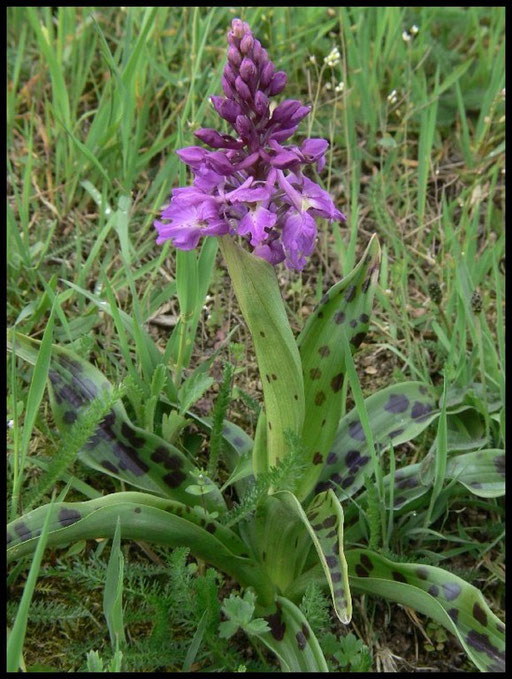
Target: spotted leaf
(482,472)
(143,517)
(257,290)
(396,414)
(118,447)
(446,598)
(292,639)
(324,523)
(344,310)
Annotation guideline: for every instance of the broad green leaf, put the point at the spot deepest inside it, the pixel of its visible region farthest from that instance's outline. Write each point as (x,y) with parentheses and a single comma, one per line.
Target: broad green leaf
(292,639)
(482,472)
(142,517)
(396,414)
(279,539)
(324,523)
(344,309)
(118,447)
(446,598)
(259,297)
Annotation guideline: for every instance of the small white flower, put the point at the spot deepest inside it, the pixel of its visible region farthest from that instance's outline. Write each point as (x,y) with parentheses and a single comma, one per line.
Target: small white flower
(328,86)
(312,59)
(333,57)
(392,97)
(414,29)
(340,87)
(406,37)
(10,424)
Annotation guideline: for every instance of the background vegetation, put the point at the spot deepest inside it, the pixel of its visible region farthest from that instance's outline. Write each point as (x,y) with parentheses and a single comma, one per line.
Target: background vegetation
(98,100)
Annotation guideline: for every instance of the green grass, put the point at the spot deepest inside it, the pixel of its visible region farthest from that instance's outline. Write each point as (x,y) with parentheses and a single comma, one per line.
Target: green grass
(99,99)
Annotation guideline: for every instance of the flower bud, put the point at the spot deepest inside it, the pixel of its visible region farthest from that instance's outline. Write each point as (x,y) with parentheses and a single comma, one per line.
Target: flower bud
(282,135)
(192,155)
(285,110)
(261,103)
(244,127)
(277,84)
(267,73)
(242,89)
(247,69)
(228,109)
(257,52)
(246,43)
(230,73)
(299,114)
(226,88)
(217,140)
(234,56)
(284,159)
(238,28)
(313,149)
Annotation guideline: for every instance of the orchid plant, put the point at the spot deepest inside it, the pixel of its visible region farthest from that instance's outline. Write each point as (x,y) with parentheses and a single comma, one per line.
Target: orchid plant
(306,463)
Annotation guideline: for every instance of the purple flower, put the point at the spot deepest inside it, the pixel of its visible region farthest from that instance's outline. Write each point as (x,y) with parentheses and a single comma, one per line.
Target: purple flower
(251,185)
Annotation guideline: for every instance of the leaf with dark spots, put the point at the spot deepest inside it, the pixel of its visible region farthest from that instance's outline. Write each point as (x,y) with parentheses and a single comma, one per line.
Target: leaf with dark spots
(301,641)
(276,624)
(433,590)
(479,614)
(399,577)
(356,340)
(454,614)
(337,317)
(367,562)
(420,411)
(352,458)
(174,479)
(331,458)
(422,573)
(451,590)
(361,571)
(355,430)
(318,458)
(69,416)
(22,530)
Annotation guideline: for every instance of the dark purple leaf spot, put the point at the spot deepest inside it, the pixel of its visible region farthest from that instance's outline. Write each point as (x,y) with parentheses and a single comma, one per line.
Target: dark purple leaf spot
(22,530)
(108,420)
(357,339)
(366,562)
(366,284)
(324,351)
(268,378)
(238,441)
(69,516)
(170,461)
(454,614)
(320,314)
(399,577)
(129,459)
(331,561)
(420,411)
(351,293)
(337,382)
(174,479)
(137,510)
(397,403)
(481,642)
(422,573)
(423,390)
(305,630)
(332,534)
(331,458)
(364,318)
(54,376)
(106,464)
(476,484)
(318,458)
(296,397)
(352,458)
(499,463)
(479,614)
(269,424)
(353,323)
(274,377)
(87,387)
(339,317)
(396,432)
(355,429)
(315,373)
(322,486)
(211,528)
(276,624)
(451,590)
(131,435)
(336,576)
(323,422)
(346,483)
(330,521)
(319,398)
(433,590)
(71,396)
(301,641)
(399,501)
(361,571)
(407,483)
(262,333)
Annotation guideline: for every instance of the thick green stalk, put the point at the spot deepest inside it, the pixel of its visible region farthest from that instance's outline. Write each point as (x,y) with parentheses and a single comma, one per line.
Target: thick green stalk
(257,290)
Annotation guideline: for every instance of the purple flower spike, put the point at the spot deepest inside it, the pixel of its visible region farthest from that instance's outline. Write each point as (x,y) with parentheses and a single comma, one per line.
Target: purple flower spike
(251,185)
